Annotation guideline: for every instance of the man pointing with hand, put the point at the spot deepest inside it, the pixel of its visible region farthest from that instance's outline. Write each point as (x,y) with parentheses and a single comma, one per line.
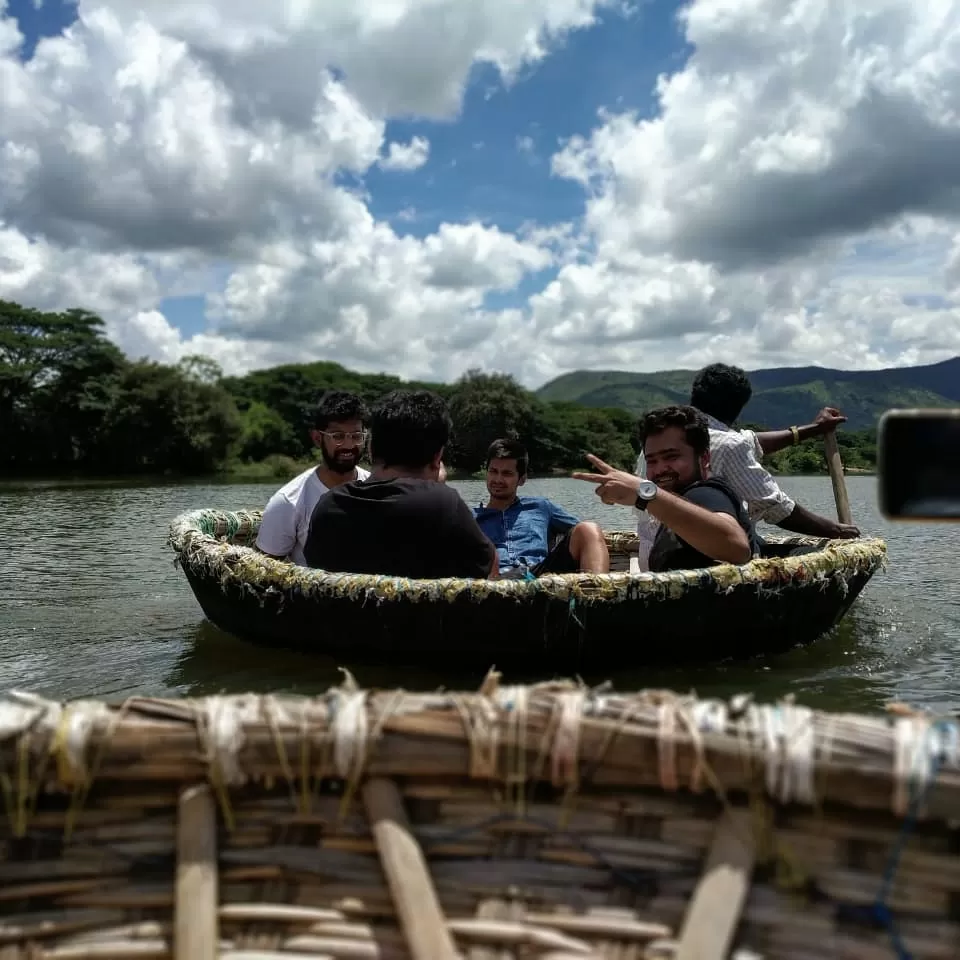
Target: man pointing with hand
(702,521)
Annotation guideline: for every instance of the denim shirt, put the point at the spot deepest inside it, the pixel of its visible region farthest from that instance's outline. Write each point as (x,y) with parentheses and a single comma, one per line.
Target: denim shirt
(522,533)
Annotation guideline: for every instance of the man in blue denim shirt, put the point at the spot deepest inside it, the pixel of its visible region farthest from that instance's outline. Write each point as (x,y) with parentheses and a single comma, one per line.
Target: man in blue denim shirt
(523,528)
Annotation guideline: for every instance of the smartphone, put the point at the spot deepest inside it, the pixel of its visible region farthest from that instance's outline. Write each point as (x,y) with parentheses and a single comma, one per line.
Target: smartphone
(918,464)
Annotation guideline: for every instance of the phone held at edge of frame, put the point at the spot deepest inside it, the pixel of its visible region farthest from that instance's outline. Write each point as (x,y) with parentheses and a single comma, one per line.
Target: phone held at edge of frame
(918,464)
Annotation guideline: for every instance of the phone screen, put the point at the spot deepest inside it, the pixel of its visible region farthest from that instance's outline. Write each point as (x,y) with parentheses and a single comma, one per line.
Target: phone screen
(918,464)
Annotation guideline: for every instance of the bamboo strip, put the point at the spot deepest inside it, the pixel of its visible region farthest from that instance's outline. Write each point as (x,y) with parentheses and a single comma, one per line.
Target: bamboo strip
(714,912)
(195,929)
(407,875)
(130,950)
(33,926)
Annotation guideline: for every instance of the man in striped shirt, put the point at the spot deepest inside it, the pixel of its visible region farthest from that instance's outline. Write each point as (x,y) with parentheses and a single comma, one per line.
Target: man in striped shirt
(721,392)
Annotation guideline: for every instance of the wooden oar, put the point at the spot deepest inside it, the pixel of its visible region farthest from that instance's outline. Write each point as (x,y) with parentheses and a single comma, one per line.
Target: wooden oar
(835,466)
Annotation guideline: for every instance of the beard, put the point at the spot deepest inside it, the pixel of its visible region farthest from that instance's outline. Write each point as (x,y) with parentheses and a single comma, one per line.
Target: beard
(668,481)
(343,461)
(673,483)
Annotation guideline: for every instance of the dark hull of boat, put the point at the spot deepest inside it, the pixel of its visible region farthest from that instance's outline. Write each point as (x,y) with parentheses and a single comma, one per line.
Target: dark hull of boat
(546,632)
(767,607)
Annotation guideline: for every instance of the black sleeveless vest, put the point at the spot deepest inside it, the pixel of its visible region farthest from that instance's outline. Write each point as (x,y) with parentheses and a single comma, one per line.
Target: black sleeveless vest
(669,552)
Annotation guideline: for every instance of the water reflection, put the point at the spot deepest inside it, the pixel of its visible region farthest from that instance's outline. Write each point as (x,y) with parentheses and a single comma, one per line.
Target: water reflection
(213,662)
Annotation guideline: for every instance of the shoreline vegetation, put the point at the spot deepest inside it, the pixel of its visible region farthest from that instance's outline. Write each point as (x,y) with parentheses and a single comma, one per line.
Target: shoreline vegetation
(73,408)
(276,470)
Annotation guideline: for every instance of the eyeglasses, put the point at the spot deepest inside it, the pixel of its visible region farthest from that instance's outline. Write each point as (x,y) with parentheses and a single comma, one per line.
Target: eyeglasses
(340,438)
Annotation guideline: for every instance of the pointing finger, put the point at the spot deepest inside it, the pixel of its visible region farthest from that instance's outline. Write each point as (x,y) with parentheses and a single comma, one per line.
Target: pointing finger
(599,464)
(589,477)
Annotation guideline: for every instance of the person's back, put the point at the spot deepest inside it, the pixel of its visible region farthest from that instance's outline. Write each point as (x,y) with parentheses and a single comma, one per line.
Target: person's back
(402,527)
(401,521)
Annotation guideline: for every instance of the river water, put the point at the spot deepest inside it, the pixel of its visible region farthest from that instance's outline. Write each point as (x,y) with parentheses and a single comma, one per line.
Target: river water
(91,605)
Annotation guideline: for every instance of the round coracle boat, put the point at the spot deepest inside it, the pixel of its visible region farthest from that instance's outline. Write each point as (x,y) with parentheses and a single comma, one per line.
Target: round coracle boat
(580,621)
(547,822)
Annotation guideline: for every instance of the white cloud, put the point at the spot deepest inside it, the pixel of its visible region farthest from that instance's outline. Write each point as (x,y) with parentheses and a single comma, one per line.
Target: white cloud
(793,200)
(406,156)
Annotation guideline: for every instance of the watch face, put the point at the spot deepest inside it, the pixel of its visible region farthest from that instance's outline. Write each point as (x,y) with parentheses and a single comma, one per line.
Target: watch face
(647,490)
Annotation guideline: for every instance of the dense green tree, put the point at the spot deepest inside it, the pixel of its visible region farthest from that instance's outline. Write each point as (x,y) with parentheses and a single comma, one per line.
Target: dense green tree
(263,433)
(162,420)
(484,407)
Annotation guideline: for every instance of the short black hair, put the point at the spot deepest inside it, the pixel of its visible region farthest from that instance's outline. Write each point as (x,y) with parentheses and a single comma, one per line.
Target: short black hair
(507,448)
(338,406)
(721,391)
(689,419)
(408,428)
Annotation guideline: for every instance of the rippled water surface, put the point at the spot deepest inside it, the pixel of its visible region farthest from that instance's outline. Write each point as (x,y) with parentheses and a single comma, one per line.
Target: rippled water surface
(91,605)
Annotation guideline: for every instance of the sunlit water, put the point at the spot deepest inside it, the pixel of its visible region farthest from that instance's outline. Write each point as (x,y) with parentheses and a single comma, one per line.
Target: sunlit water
(91,605)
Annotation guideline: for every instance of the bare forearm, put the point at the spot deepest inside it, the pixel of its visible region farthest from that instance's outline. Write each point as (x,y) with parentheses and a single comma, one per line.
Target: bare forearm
(801,520)
(715,535)
(773,440)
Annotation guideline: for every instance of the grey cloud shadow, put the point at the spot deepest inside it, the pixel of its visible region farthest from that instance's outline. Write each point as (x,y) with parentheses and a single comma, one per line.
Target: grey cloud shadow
(892,161)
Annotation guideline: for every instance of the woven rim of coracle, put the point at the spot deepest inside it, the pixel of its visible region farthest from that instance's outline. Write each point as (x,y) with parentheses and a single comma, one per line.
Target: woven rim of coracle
(212,545)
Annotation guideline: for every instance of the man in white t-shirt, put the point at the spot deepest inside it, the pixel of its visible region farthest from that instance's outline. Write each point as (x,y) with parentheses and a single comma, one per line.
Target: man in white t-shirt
(339,431)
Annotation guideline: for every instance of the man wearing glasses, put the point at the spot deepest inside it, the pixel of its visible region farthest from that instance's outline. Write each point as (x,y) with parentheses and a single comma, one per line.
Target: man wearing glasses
(339,431)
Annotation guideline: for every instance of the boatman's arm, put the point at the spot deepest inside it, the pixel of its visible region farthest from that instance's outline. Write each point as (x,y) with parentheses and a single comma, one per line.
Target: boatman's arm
(829,418)
(717,535)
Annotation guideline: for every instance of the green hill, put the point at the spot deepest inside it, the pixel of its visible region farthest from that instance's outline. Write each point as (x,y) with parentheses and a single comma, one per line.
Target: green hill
(781,395)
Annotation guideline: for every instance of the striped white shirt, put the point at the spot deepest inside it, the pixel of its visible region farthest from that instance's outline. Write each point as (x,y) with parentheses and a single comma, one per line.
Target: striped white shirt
(734,457)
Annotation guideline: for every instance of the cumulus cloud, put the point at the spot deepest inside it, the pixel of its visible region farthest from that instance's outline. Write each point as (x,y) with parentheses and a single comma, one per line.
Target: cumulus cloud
(406,156)
(792,199)
(153,140)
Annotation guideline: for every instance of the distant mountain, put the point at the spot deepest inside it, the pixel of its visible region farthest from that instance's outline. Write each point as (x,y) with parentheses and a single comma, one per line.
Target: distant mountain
(781,396)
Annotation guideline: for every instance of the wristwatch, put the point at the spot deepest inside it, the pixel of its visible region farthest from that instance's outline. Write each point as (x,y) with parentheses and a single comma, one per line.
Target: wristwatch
(646,492)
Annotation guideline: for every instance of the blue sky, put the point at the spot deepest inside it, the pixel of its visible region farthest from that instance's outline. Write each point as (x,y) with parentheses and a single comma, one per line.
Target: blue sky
(477,168)
(52,17)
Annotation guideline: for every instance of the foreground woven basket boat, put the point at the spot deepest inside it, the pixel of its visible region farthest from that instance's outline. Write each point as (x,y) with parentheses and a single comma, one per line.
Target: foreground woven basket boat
(573,623)
(551,822)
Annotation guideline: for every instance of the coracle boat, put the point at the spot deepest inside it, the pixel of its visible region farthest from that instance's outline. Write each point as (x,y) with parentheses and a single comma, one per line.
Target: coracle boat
(568,623)
(554,822)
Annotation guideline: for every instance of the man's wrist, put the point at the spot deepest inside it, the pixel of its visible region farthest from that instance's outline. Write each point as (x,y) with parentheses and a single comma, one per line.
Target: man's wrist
(645,493)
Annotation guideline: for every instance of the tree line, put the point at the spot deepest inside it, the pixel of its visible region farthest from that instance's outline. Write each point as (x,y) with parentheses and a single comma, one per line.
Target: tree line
(72,404)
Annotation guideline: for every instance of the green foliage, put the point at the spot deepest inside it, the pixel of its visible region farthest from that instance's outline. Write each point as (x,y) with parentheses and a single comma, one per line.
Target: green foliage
(70,402)
(485,407)
(858,451)
(265,433)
